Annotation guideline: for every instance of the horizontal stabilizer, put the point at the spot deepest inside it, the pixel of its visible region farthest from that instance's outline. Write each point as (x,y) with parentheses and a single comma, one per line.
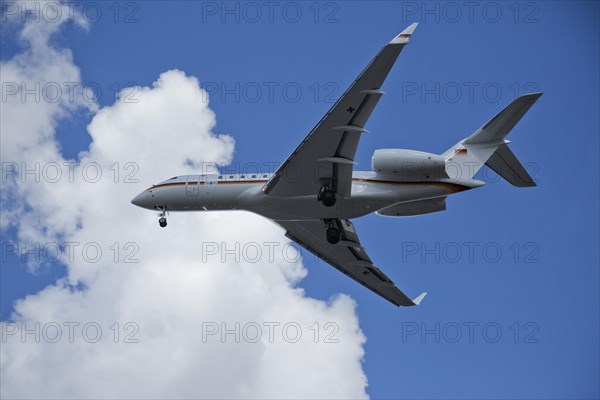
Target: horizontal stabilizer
(499,126)
(505,163)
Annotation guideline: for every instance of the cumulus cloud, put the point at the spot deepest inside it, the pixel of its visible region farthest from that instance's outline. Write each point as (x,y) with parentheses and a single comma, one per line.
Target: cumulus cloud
(40,87)
(152,315)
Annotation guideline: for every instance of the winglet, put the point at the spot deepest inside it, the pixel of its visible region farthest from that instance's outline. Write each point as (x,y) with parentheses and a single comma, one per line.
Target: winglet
(403,37)
(419,298)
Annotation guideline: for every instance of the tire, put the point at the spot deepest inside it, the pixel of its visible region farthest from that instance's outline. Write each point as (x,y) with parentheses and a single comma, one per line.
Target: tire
(162,222)
(333,235)
(328,198)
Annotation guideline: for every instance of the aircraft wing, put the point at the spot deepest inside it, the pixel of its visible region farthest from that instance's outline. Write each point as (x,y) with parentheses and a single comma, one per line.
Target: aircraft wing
(348,256)
(326,155)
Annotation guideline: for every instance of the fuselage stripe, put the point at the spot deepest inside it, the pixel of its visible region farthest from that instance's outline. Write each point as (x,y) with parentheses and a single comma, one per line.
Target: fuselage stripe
(448,185)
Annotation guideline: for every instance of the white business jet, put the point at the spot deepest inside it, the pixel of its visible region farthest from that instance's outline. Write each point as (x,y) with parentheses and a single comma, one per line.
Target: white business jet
(315,193)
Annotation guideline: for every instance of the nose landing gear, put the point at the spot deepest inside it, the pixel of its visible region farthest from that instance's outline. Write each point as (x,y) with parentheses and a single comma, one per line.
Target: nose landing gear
(162,220)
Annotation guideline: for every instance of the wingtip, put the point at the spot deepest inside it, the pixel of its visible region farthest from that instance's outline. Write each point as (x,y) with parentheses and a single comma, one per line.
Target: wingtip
(533,95)
(530,97)
(411,28)
(404,36)
(419,298)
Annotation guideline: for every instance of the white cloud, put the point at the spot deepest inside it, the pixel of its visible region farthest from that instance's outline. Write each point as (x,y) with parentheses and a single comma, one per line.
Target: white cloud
(40,87)
(171,294)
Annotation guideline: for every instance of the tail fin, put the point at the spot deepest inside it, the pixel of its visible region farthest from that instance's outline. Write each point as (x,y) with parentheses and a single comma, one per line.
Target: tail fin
(488,146)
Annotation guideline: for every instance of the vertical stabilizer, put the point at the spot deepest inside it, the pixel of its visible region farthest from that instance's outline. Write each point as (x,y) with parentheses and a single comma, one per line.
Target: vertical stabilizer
(488,146)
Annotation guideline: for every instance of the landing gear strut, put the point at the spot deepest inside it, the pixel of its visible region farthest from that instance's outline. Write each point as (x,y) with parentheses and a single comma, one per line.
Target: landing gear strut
(162,221)
(327,197)
(333,233)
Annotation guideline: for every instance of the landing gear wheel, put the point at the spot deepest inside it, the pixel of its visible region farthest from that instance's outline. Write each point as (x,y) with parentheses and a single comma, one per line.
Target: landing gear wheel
(327,197)
(162,221)
(333,235)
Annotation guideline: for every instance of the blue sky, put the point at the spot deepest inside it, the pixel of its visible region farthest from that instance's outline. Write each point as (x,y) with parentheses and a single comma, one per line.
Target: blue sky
(542,291)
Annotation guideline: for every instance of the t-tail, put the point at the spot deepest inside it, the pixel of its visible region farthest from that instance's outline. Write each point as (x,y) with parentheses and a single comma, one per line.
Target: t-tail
(488,146)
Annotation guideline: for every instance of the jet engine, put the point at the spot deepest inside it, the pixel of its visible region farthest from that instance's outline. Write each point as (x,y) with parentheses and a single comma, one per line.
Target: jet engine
(409,165)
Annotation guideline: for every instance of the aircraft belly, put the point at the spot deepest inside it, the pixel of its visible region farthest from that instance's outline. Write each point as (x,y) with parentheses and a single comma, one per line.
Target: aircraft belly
(365,199)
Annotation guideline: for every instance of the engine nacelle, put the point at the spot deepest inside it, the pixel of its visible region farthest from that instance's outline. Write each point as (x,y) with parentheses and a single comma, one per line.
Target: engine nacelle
(409,165)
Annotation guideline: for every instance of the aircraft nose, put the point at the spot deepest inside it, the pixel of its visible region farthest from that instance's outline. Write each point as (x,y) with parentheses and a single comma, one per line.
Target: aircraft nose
(138,200)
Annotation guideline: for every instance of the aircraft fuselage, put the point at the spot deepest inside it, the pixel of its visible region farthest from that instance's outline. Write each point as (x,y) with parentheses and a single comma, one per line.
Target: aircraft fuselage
(370,192)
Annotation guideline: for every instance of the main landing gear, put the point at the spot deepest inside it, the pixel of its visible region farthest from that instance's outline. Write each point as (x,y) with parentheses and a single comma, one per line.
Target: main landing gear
(333,233)
(326,196)
(162,221)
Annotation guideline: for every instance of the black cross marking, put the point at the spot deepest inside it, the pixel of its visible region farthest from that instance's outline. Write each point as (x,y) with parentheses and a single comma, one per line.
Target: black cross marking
(350,109)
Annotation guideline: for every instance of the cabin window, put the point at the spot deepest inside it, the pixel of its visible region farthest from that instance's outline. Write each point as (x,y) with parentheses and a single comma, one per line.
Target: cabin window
(253,176)
(265,175)
(242,176)
(231,177)
(220,177)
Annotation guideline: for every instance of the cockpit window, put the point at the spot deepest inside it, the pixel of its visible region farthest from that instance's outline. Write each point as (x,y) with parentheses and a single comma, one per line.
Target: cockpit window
(173,178)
